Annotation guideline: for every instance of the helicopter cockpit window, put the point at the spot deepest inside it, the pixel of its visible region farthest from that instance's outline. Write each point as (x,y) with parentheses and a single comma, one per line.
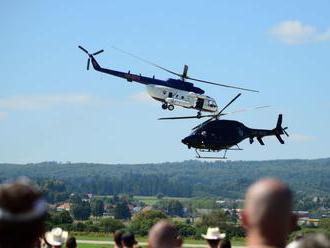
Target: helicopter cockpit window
(203,133)
(212,104)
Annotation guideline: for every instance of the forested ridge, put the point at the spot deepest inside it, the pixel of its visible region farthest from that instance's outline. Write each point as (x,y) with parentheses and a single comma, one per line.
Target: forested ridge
(188,178)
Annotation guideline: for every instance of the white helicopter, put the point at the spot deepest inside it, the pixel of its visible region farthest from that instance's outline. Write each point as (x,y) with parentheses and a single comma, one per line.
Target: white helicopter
(171,92)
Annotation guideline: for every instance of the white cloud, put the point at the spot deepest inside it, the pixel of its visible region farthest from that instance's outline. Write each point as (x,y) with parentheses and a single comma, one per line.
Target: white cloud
(141,97)
(3,115)
(302,138)
(42,101)
(295,32)
(324,36)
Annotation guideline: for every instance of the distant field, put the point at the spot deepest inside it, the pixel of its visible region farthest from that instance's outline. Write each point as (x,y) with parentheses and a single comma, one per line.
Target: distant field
(151,200)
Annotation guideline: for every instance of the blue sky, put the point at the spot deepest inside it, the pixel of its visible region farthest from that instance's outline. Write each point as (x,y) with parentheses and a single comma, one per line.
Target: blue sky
(51,108)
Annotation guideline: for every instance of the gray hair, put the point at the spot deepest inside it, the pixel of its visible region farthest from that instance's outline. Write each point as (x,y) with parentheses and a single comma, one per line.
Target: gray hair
(315,240)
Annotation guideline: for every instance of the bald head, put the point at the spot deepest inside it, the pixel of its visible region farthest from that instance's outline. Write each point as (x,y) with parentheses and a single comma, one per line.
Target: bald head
(268,209)
(164,235)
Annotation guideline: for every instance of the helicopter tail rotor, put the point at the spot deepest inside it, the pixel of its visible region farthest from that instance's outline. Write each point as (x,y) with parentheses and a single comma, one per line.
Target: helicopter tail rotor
(90,55)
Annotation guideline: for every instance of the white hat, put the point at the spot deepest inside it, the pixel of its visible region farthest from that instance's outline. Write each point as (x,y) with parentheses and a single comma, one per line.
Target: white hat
(213,233)
(56,236)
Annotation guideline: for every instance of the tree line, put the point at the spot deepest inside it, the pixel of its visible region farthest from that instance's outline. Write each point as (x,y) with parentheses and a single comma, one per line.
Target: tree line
(184,179)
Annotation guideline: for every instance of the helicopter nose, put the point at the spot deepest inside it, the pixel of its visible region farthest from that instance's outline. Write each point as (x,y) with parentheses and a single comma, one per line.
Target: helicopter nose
(189,141)
(185,141)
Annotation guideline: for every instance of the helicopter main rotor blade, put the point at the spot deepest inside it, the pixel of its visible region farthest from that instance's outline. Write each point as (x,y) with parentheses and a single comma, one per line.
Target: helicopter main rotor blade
(147,61)
(238,95)
(184,75)
(189,117)
(222,85)
(216,114)
(183,117)
(177,118)
(248,109)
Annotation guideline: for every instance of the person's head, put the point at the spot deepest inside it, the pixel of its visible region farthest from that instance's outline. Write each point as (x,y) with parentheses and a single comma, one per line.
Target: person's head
(71,242)
(164,235)
(22,214)
(128,239)
(214,243)
(267,215)
(56,237)
(117,238)
(315,240)
(225,243)
(213,236)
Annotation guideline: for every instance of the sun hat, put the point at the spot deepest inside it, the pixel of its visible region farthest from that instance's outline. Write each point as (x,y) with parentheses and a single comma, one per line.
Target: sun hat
(213,233)
(56,236)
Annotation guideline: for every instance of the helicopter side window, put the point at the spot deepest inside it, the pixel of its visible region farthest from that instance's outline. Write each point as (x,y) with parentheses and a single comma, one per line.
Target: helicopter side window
(170,94)
(164,92)
(203,133)
(182,97)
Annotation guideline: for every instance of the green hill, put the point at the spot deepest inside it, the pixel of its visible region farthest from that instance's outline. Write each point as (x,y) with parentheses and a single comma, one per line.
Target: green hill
(185,179)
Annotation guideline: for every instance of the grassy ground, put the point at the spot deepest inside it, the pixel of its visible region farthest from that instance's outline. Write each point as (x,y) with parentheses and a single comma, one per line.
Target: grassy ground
(94,246)
(108,237)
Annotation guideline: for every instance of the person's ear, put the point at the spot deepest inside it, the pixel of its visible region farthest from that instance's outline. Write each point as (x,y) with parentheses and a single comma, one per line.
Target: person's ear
(179,242)
(244,218)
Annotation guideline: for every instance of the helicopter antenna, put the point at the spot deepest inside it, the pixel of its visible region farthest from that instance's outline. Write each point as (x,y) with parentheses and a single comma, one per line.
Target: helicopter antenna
(184,74)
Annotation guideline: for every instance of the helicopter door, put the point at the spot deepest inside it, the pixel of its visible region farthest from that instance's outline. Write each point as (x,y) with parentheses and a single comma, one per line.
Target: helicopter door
(199,103)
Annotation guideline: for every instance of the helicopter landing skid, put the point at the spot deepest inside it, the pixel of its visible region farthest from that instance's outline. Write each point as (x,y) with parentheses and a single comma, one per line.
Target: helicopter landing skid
(216,157)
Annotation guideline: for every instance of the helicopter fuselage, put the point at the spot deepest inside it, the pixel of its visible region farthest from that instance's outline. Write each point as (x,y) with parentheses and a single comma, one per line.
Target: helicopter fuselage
(219,135)
(171,92)
(182,98)
(179,92)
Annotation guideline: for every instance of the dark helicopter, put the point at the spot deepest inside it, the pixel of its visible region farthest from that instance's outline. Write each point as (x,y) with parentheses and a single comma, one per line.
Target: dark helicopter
(215,135)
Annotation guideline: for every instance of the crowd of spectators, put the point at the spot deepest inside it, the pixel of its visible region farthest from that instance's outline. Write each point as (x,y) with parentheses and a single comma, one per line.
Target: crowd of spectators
(267,218)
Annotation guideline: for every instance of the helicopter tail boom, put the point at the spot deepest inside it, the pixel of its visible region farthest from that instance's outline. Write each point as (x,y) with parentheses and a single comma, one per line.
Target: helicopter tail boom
(277,132)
